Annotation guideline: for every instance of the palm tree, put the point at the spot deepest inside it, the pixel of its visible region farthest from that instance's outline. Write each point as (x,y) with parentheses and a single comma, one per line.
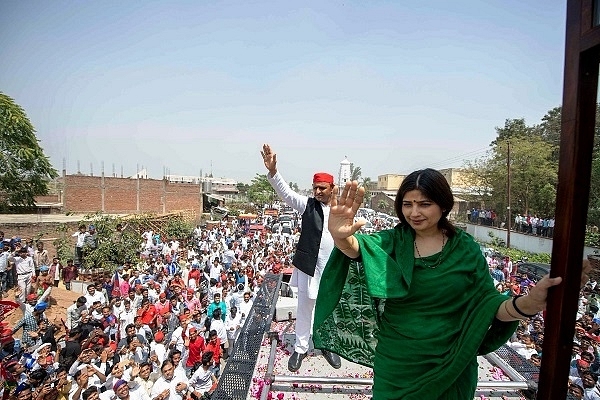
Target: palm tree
(366,183)
(355,173)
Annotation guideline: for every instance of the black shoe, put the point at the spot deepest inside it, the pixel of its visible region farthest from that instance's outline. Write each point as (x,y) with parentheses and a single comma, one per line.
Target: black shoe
(332,358)
(295,361)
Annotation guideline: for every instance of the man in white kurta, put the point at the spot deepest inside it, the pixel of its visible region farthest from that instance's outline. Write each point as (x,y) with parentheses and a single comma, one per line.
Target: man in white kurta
(308,286)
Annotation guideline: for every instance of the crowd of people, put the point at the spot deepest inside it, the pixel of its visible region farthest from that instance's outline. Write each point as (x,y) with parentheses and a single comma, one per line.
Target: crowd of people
(528,338)
(528,224)
(158,327)
(163,326)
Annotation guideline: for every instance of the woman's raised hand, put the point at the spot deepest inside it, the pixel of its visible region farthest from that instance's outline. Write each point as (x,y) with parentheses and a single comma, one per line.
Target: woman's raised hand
(343,211)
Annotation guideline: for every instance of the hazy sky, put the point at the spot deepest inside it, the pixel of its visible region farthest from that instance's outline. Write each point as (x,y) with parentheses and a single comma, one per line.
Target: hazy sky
(393,85)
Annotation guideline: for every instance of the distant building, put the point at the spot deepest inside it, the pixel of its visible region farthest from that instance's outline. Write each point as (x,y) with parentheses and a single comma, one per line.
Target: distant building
(221,188)
(389,182)
(344,175)
(461,184)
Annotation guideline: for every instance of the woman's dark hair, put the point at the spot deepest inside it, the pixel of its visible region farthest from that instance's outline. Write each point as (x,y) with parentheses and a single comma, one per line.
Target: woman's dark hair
(435,187)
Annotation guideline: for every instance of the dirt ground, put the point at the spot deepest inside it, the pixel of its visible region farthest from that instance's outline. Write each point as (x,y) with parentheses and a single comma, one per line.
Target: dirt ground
(60,300)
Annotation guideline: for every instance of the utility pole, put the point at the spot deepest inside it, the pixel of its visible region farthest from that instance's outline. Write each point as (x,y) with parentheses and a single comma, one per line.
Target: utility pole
(508,196)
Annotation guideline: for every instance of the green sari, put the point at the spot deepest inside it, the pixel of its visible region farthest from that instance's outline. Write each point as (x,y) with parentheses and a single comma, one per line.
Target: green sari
(420,328)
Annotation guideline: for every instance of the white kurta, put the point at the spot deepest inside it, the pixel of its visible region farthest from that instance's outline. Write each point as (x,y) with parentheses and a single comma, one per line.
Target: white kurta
(308,286)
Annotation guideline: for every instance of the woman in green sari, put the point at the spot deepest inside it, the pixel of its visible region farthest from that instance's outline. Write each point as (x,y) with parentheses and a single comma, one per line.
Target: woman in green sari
(417,302)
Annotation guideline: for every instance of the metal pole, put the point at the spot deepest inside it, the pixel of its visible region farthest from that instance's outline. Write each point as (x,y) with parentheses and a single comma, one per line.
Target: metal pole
(274,336)
(508,370)
(337,380)
(369,382)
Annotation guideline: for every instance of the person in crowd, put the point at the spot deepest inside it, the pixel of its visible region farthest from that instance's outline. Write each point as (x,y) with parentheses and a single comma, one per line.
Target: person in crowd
(40,257)
(55,272)
(80,236)
(146,378)
(93,296)
(25,270)
(312,252)
(203,382)
(69,273)
(217,304)
(194,345)
(214,346)
(4,268)
(245,307)
(30,324)
(424,265)
(232,326)
(168,386)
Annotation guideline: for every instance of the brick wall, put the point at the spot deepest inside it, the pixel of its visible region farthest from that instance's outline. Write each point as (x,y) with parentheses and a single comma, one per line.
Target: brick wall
(84,194)
(45,231)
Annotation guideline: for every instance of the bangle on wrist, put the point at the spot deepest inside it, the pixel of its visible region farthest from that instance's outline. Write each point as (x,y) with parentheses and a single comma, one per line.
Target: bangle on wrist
(514,303)
(508,312)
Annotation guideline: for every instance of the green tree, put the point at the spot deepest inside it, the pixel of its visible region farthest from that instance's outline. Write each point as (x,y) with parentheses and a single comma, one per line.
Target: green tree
(549,130)
(355,173)
(112,249)
(178,228)
(260,190)
(294,186)
(25,168)
(243,188)
(385,207)
(366,183)
(533,172)
(594,200)
(531,169)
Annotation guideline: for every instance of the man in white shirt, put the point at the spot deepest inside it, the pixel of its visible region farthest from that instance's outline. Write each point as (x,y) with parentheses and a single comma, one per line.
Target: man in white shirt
(93,295)
(232,326)
(4,256)
(175,386)
(25,269)
(81,234)
(74,312)
(245,307)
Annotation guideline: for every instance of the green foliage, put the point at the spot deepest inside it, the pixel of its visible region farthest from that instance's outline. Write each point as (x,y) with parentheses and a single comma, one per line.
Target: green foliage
(534,174)
(25,168)
(355,173)
(594,199)
(366,183)
(592,239)
(243,188)
(260,191)
(112,248)
(516,254)
(178,228)
(62,244)
(534,169)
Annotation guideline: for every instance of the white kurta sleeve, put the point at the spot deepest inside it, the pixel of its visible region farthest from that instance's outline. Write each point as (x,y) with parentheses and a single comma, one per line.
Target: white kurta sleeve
(291,198)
